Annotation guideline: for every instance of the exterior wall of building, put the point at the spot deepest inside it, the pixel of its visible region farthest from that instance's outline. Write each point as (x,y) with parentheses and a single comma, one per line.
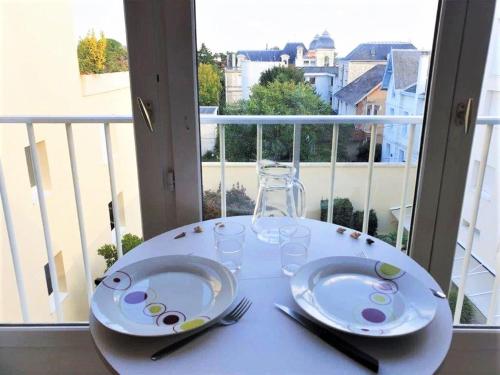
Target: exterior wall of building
(395,142)
(356,68)
(43,80)
(322,86)
(325,57)
(350,180)
(251,72)
(348,72)
(233,85)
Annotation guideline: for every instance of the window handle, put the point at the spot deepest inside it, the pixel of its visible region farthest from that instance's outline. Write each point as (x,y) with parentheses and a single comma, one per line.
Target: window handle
(463,114)
(146,112)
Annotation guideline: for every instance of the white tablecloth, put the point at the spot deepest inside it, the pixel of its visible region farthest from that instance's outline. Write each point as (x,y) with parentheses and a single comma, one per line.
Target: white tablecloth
(265,341)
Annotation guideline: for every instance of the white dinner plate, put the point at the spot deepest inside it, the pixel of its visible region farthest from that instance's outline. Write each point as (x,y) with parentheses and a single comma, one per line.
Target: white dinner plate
(164,295)
(363,296)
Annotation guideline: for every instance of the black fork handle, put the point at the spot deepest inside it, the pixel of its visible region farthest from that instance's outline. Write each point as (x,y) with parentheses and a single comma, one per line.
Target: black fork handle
(169,349)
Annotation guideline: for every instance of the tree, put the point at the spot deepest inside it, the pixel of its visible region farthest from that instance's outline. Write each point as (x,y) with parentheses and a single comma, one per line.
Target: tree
(357,222)
(282,74)
(278,98)
(116,57)
(209,85)
(364,152)
(342,212)
(92,54)
(110,253)
(205,56)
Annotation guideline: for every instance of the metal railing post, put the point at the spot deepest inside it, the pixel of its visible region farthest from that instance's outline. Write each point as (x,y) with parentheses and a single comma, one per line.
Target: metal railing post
(222,143)
(404,192)
(112,184)
(371,158)
(297,132)
(333,165)
(472,226)
(79,211)
(496,286)
(45,221)
(16,262)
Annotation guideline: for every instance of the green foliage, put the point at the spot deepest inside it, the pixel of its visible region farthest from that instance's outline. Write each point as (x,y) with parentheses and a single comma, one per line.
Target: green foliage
(344,215)
(364,152)
(278,98)
(391,238)
(110,253)
(92,53)
(205,56)
(282,74)
(207,88)
(209,85)
(116,57)
(357,222)
(342,211)
(467,316)
(237,201)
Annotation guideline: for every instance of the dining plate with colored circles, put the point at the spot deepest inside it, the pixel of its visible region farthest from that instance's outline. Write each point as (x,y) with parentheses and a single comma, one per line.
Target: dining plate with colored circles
(363,296)
(164,295)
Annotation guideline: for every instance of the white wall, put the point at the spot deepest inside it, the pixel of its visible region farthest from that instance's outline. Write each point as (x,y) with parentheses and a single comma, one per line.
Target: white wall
(251,72)
(350,182)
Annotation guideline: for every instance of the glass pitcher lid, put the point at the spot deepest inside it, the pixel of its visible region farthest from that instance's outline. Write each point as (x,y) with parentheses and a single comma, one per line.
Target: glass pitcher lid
(276,170)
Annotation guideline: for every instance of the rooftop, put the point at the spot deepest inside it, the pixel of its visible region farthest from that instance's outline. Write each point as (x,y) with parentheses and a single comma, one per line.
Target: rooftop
(376,51)
(361,86)
(403,64)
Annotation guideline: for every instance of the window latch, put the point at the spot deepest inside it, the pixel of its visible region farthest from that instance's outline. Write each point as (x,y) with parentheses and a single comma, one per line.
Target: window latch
(463,114)
(146,112)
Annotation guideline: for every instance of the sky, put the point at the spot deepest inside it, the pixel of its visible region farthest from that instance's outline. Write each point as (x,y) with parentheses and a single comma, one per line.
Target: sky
(231,25)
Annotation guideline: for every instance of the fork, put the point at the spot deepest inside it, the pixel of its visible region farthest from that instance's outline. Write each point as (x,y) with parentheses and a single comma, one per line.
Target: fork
(231,318)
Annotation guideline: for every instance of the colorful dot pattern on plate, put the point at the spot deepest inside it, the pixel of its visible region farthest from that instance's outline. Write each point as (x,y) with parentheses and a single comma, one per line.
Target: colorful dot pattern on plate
(118,281)
(388,271)
(191,324)
(164,295)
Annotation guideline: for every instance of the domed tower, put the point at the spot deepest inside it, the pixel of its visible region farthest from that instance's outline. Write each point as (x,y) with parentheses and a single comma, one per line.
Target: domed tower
(312,46)
(325,50)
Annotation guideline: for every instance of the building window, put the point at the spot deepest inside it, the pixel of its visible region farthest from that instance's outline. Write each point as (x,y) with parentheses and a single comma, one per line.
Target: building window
(388,146)
(61,280)
(401,155)
(327,61)
(312,80)
(41,149)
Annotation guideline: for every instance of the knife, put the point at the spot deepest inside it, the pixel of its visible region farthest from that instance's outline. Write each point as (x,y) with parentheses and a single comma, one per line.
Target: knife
(332,339)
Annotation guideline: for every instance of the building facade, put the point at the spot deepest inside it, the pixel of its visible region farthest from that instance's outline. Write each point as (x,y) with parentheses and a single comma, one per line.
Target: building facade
(360,60)
(244,68)
(405,80)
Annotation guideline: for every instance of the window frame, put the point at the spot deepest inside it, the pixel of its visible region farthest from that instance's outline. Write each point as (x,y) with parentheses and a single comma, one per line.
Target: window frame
(169,35)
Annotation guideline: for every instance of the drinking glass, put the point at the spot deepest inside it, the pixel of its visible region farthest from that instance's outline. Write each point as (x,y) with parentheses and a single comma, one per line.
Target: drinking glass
(294,242)
(229,240)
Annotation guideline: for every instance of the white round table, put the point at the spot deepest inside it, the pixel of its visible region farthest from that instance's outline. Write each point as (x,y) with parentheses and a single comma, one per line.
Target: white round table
(265,341)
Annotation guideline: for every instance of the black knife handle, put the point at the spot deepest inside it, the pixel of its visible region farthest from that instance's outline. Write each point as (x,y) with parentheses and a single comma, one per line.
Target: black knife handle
(348,349)
(179,344)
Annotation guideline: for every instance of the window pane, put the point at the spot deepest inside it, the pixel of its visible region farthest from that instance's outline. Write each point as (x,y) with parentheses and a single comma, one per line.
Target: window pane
(261,65)
(477,257)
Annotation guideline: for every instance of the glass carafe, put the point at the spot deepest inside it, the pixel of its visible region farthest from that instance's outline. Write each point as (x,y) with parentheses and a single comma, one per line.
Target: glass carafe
(276,204)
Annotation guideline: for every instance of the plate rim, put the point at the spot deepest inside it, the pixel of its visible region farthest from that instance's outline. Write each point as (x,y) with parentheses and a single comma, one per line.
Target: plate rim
(232,277)
(325,321)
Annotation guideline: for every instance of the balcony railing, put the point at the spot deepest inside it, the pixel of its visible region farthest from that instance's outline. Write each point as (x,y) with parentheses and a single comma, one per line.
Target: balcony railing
(222,122)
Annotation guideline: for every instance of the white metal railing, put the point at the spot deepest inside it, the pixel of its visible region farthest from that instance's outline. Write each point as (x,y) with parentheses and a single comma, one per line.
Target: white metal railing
(221,121)
(68,121)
